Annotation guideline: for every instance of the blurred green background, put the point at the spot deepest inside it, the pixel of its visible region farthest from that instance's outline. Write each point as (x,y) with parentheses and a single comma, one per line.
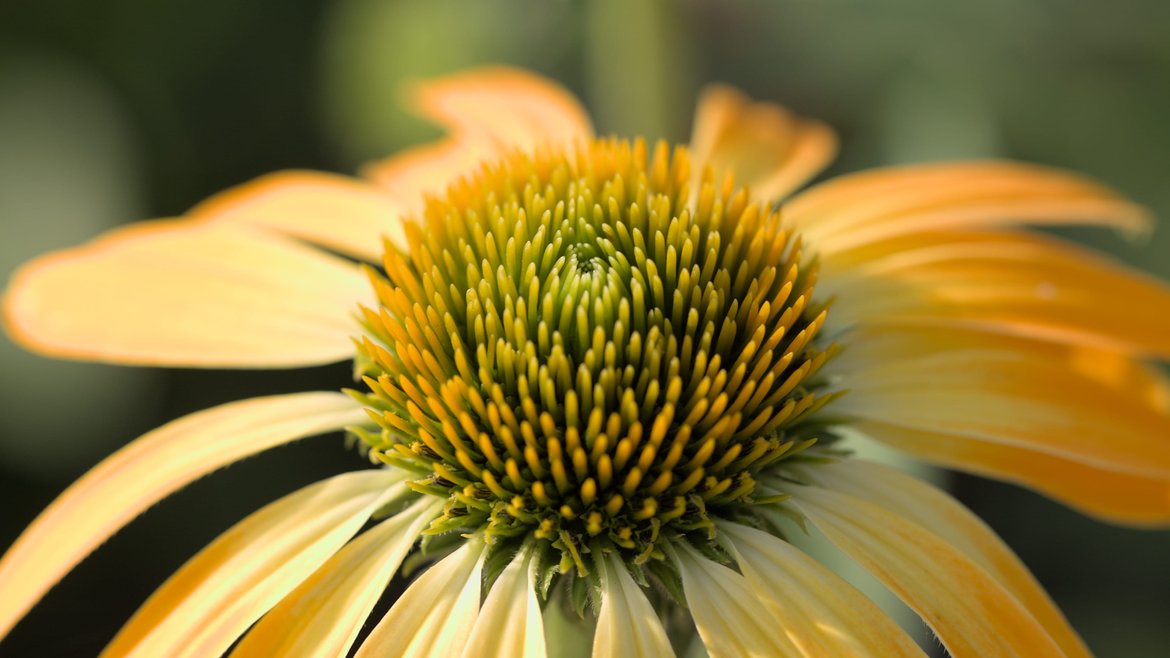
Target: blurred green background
(118,110)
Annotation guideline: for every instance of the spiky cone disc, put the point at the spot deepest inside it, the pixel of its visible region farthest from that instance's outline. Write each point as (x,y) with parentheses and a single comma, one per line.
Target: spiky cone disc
(595,349)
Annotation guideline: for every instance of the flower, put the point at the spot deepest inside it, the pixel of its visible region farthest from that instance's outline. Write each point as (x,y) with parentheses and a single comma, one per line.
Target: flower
(613,376)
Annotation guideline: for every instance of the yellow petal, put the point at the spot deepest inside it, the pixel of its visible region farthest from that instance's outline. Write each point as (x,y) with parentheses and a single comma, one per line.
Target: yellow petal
(209,603)
(434,616)
(147,470)
(972,614)
(892,342)
(507,107)
(190,294)
(323,615)
(410,176)
(731,620)
(866,207)
(487,112)
(627,625)
(1006,282)
(1023,400)
(1094,489)
(510,624)
(821,614)
(339,213)
(921,503)
(768,147)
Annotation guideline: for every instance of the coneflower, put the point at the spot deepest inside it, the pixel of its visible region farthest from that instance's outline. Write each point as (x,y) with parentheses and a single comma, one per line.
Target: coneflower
(612,376)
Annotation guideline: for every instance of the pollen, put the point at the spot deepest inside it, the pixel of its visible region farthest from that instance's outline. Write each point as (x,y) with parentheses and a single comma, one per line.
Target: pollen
(594,347)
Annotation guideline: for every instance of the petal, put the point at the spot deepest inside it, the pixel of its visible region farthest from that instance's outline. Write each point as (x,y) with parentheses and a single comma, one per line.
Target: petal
(510,108)
(146,471)
(509,623)
(487,112)
(209,603)
(820,613)
(971,612)
(339,213)
(892,342)
(434,616)
(1007,282)
(323,615)
(1020,399)
(731,622)
(627,624)
(919,502)
(768,147)
(870,206)
(1094,489)
(181,293)
(410,176)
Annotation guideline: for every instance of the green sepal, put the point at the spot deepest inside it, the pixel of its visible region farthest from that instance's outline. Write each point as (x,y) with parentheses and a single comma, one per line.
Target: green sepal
(578,594)
(499,556)
(669,580)
(547,570)
(585,592)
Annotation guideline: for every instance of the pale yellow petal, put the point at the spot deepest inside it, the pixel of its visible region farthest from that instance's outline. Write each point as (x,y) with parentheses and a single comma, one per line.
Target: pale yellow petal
(1012,283)
(869,206)
(824,616)
(769,148)
(972,614)
(323,615)
(434,616)
(510,624)
(147,470)
(209,603)
(488,112)
(891,342)
(507,107)
(1024,400)
(409,177)
(346,215)
(732,621)
(929,507)
(189,294)
(1094,489)
(627,625)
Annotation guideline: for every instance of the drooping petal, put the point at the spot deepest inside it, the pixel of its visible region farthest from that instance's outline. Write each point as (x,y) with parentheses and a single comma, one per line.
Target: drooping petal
(768,147)
(1098,487)
(731,621)
(339,213)
(209,603)
(877,344)
(972,614)
(1093,489)
(487,112)
(1023,400)
(146,471)
(627,624)
(1000,281)
(821,614)
(434,616)
(510,624)
(323,615)
(929,507)
(188,294)
(410,176)
(875,205)
(504,106)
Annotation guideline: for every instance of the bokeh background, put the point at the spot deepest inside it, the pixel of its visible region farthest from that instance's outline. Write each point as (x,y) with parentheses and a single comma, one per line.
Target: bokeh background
(117,110)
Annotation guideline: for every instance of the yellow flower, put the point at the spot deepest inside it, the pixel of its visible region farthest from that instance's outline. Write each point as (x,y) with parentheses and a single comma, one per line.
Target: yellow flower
(610,375)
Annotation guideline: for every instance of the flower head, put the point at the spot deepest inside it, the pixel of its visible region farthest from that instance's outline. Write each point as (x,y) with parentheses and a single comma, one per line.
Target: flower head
(614,376)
